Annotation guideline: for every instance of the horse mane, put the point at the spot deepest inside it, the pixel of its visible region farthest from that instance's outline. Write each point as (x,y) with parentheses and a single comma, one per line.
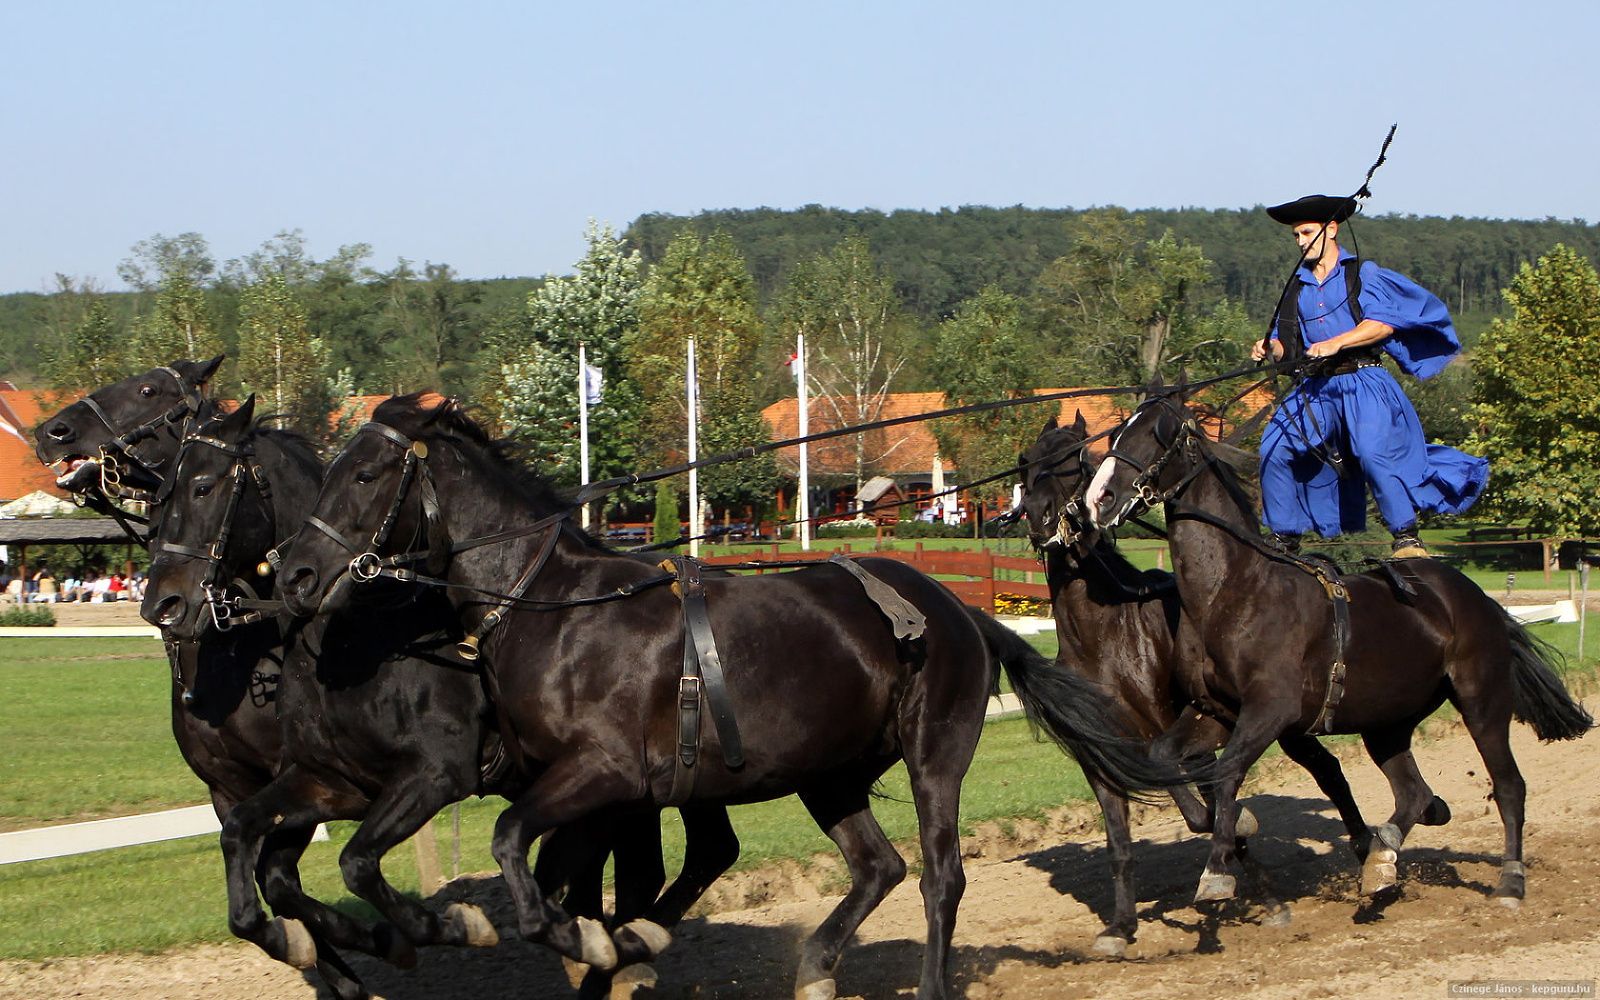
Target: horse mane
(1233,483)
(420,412)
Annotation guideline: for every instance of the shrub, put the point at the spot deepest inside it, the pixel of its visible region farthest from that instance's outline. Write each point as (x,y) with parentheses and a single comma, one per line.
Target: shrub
(931,529)
(20,617)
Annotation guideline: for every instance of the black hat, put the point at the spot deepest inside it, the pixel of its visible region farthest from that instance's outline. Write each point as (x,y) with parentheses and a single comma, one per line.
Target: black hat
(1313,208)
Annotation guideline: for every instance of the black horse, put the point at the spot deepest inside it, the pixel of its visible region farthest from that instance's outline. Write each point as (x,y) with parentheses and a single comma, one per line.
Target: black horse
(1293,647)
(1126,629)
(119,443)
(379,725)
(827,696)
(384,729)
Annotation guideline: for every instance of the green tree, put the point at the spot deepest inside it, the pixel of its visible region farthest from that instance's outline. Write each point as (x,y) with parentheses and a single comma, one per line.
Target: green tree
(93,355)
(532,389)
(1537,403)
(702,290)
(846,306)
(1121,301)
(161,259)
(981,357)
(279,360)
(178,326)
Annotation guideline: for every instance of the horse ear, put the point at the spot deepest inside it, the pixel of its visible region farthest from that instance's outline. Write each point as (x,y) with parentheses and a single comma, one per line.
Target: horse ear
(239,420)
(198,373)
(1079,424)
(1052,425)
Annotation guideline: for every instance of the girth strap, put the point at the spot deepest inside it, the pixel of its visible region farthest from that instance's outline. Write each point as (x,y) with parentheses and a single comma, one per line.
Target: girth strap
(702,675)
(1340,597)
(908,622)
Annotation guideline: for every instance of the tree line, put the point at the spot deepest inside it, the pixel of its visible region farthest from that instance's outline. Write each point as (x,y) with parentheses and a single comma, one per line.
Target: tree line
(978,303)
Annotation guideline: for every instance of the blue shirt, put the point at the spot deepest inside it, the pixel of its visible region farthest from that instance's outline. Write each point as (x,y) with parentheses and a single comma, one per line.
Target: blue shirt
(1424,339)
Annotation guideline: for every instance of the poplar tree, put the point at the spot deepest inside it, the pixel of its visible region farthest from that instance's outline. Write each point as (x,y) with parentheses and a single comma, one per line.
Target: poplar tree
(846,306)
(279,360)
(701,289)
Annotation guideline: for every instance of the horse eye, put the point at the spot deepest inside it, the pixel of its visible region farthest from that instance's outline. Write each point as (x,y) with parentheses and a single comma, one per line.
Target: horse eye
(202,490)
(147,390)
(365,477)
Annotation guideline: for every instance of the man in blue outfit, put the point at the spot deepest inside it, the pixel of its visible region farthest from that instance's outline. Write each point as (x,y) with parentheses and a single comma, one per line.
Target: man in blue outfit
(1347,424)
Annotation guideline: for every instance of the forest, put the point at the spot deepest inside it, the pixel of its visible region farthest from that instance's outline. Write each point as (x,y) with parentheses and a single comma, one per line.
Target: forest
(979,303)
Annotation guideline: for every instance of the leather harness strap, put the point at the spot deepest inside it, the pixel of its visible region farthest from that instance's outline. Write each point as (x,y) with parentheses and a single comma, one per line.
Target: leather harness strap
(702,677)
(1339,597)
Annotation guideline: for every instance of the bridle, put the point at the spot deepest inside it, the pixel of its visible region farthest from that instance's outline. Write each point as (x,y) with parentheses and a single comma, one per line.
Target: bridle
(1145,487)
(367,565)
(118,455)
(225,612)
(1071,523)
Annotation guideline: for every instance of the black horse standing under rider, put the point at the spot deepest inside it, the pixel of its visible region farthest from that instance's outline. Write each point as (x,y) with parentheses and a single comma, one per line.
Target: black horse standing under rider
(1127,631)
(1293,647)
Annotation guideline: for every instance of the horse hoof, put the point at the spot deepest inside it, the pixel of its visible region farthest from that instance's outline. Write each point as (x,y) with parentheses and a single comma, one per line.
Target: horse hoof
(630,979)
(473,925)
(598,948)
(1281,917)
(1214,887)
(1111,946)
(1509,902)
(576,971)
(299,948)
(817,989)
(1437,813)
(1380,871)
(1246,825)
(651,934)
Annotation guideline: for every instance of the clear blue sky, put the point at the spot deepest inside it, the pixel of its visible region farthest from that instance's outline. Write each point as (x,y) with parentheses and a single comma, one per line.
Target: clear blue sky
(486,135)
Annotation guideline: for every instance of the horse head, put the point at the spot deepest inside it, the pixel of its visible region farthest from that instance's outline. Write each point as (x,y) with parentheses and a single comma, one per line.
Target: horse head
(217,520)
(122,438)
(1054,471)
(379,508)
(1151,459)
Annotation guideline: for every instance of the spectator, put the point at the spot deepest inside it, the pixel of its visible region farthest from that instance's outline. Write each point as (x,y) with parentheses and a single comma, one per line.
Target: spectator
(48,589)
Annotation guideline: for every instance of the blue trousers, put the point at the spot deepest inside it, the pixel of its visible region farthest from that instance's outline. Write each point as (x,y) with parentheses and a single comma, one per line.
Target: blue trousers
(1365,421)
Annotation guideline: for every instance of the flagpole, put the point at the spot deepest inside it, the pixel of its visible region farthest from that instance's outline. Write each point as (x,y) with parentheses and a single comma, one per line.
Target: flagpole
(583,426)
(803,501)
(695,520)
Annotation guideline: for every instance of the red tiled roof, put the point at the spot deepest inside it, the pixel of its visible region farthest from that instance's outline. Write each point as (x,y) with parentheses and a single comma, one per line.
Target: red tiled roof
(908,449)
(21,472)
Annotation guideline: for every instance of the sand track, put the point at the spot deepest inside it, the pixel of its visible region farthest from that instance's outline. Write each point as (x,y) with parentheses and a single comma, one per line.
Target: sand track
(1029,916)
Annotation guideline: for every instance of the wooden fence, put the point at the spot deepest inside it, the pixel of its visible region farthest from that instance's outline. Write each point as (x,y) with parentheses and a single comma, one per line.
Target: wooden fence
(975,577)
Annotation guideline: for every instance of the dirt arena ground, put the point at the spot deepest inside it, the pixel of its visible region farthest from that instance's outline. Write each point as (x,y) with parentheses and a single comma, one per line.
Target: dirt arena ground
(1030,914)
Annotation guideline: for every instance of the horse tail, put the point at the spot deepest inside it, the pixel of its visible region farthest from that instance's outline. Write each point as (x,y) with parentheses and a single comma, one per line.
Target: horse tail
(1538,698)
(1077,716)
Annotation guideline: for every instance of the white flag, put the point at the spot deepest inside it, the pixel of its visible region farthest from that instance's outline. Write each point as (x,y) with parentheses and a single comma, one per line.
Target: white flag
(593,380)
